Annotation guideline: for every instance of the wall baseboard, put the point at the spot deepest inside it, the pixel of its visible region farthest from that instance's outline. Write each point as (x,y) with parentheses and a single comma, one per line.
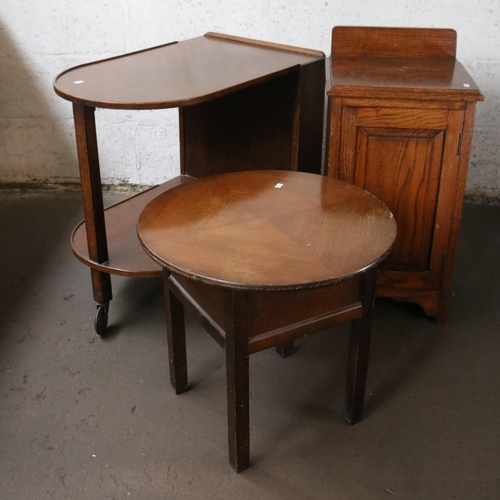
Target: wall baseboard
(67,186)
(491,197)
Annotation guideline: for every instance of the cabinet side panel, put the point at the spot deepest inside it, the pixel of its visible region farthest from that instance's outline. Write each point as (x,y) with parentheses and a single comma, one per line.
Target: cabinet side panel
(448,192)
(347,156)
(251,129)
(468,125)
(334,128)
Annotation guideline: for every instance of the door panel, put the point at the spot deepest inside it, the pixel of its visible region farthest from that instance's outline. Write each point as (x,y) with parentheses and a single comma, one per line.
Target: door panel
(403,156)
(401,167)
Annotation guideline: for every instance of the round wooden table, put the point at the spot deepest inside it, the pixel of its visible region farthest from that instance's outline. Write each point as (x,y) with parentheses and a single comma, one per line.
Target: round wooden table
(262,258)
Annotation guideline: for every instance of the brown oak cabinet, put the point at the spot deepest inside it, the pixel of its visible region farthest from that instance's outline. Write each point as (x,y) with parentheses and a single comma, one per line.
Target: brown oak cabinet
(401,114)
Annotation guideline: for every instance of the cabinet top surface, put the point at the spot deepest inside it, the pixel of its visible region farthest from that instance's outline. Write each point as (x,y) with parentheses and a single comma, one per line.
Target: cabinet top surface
(406,77)
(179,73)
(267,230)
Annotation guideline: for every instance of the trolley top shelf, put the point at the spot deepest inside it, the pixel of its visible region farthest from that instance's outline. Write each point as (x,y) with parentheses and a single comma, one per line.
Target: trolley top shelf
(179,73)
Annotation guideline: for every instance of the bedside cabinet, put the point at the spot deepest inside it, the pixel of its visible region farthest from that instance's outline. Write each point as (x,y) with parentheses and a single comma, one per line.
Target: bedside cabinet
(401,116)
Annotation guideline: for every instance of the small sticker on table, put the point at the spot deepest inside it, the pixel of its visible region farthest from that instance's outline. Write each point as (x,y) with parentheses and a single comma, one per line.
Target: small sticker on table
(278,185)
(78,82)
(466,85)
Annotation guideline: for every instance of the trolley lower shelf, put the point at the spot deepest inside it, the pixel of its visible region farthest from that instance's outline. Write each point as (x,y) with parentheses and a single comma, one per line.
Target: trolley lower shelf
(126,256)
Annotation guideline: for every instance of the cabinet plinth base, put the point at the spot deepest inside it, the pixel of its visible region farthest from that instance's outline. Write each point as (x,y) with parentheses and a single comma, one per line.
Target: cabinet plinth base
(428,301)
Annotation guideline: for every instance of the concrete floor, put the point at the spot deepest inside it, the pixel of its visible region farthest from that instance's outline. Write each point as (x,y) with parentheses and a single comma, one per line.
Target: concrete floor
(89,418)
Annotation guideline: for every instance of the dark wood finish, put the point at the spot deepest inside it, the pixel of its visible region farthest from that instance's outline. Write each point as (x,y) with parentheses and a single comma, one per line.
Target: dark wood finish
(430,79)
(262,258)
(264,44)
(359,350)
(90,179)
(126,256)
(449,260)
(393,42)
(179,74)
(400,125)
(286,349)
(238,379)
(296,217)
(310,117)
(176,343)
(256,123)
(206,303)
(243,104)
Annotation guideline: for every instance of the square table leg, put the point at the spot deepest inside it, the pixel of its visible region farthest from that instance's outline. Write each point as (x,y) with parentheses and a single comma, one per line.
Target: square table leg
(93,207)
(176,334)
(237,379)
(359,350)
(285,349)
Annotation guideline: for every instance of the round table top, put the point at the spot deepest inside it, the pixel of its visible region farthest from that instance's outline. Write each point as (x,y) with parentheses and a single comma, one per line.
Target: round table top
(267,229)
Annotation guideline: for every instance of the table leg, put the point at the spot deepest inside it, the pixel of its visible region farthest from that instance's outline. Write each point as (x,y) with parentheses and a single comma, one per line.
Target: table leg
(176,334)
(237,373)
(93,208)
(285,349)
(359,349)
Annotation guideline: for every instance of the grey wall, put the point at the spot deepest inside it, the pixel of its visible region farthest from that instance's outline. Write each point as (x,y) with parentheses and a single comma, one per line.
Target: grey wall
(39,39)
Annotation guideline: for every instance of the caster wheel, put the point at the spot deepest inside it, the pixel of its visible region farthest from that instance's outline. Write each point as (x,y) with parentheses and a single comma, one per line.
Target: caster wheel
(101,319)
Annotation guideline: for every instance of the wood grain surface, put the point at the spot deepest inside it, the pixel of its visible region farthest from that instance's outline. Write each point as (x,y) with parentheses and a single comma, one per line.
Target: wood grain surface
(177,74)
(394,42)
(125,254)
(401,111)
(267,230)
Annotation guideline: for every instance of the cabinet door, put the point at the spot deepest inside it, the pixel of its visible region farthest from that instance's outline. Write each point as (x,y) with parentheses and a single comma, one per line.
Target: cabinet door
(408,158)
